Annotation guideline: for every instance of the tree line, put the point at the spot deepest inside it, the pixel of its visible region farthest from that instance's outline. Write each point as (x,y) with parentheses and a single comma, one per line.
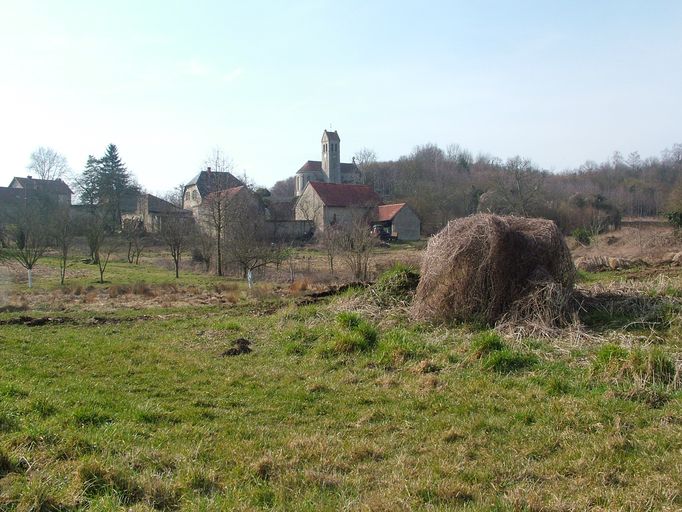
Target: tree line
(441,184)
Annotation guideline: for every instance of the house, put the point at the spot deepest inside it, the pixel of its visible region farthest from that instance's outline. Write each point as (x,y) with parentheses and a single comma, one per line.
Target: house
(329,169)
(204,184)
(327,204)
(23,192)
(398,220)
(55,190)
(149,210)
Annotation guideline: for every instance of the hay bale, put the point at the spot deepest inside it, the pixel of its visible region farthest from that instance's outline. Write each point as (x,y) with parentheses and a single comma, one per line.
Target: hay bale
(482,267)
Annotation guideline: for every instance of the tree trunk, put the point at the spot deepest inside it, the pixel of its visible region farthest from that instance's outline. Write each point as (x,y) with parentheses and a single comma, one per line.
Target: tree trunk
(30,277)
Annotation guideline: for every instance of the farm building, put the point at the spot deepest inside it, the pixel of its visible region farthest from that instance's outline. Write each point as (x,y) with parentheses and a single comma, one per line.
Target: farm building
(398,220)
(149,210)
(326,204)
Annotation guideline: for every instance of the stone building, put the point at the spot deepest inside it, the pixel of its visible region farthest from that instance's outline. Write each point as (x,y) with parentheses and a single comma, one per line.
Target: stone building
(326,204)
(55,190)
(398,220)
(150,211)
(205,183)
(330,169)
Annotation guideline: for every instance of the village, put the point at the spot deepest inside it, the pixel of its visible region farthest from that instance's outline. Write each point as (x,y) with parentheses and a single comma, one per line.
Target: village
(358,256)
(328,195)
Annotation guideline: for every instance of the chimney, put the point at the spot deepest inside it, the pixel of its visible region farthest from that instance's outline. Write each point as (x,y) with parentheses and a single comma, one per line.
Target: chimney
(29,177)
(208,169)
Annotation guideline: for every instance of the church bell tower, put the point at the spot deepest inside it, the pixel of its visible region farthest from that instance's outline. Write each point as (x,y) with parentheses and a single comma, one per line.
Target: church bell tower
(331,156)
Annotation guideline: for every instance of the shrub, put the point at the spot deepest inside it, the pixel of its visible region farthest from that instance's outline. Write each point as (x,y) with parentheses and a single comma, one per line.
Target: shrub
(509,361)
(582,236)
(397,284)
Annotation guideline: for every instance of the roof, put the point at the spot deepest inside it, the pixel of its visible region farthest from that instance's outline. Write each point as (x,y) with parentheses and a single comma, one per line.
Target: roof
(387,212)
(331,136)
(341,194)
(158,205)
(230,192)
(316,166)
(130,203)
(211,181)
(53,186)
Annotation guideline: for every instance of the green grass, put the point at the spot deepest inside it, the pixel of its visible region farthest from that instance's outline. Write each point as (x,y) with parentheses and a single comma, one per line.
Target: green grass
(330,411)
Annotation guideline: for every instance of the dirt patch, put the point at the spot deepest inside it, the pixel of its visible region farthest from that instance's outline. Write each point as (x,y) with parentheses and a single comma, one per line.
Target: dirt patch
(30,321)
(239,346)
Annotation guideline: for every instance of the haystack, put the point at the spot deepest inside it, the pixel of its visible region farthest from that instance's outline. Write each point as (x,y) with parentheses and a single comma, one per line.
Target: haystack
(490,268)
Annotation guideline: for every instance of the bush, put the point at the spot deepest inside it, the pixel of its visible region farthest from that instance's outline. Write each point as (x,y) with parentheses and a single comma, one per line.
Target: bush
(675,218)
(582,236)
(397,284)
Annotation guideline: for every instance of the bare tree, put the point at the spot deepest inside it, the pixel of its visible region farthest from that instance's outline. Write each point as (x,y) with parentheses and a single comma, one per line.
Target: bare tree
(47,164)
(108,246)
(133,232)
(357,245)
(246,242)
(177,232)
(520,187)
(364,158)
(95,230)
(214,212)
(175,195)
(332,239)
(31,236)
(63,235)
(204,247)
(214,206)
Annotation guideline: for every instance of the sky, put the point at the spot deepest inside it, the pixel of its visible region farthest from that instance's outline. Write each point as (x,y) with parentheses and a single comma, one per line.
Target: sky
(168,81)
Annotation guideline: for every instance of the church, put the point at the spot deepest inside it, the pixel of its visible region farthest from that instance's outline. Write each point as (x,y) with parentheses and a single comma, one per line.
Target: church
(329,193)
(329,169)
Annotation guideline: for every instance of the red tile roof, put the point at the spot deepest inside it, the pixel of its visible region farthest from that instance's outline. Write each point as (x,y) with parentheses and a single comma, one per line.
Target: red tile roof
(386,212)
(338,194)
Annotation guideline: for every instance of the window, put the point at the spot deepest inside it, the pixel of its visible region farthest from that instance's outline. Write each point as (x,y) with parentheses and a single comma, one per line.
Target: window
(194,195)
(187,196)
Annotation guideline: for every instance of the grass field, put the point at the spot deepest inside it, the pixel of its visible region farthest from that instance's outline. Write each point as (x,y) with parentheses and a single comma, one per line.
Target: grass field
(126,400)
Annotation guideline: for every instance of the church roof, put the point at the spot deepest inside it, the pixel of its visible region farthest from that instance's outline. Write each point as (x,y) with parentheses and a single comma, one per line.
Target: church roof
(342,194)
(387,212)
(331,136)
(211,181)
(316,166)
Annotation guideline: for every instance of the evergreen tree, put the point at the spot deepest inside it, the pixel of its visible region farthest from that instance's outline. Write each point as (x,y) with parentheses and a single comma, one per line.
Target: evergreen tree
(104,184)
(114,183)
(88,182)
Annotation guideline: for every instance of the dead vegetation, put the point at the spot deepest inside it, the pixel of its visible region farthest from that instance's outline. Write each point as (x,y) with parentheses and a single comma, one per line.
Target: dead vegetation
(488,268)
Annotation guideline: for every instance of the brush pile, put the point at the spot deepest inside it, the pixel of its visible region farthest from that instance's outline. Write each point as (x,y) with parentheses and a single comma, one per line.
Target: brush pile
(492,269)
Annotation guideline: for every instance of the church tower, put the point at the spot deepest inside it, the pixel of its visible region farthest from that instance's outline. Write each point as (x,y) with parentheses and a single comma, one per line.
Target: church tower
(331,156)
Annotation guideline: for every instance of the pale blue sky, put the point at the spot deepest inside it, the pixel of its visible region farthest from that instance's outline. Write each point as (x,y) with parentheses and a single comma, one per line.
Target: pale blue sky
(559,82)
